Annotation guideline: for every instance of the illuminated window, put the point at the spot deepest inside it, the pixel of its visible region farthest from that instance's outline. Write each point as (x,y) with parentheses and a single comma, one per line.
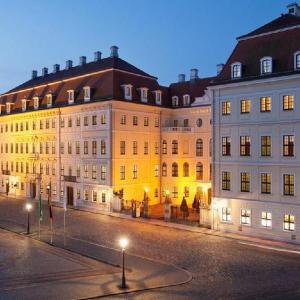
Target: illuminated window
(199,147)
(164,147)
(236,70)
(49,100)
(266,65)
(245,106)
(164,169)
(199,171)
(85,147)
(186,191)
(265,145)
(94,172)
(174,147)
(174,170)
(288,145)
(135,171)
(226,214)
(245,216)
(226,108)
(226,181)
(245,182)
(86,171)
(266,219)
(288,102)
(122,172)
(226,145)
(265,104)
(156,170)
(289,222)
(35,102)
(94,147)
(87,93)
(103,118)
(288,185)
(156,122)
(103,147)
(175,192)
(265,183)
(78,171)
(122,147)
(245,143)
(185,169)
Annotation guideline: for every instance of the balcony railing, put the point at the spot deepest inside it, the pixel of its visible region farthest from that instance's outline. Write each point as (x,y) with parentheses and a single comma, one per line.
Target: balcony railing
(177,129)
(69,178)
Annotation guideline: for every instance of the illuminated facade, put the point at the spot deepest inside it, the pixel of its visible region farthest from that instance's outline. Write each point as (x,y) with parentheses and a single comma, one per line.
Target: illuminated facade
(94,129)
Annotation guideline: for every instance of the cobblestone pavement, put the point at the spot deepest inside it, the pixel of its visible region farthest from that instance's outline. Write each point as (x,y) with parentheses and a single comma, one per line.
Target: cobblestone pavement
(221,268)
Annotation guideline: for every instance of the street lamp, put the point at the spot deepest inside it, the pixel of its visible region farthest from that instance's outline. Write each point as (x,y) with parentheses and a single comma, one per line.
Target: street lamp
(123,245)
(28,207)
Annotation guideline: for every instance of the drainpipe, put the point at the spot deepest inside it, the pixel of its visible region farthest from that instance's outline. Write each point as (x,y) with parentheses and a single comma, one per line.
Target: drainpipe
(159,153)
(59,154)
(110,148)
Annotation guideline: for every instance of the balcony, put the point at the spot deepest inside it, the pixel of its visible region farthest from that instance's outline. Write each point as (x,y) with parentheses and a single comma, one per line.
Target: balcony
(69,178)
(6,172)
(177,129)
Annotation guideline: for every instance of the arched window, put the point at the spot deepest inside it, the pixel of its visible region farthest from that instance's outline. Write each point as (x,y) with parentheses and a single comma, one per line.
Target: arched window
(164,147)
(199,147)
(199,171)
(185,169)
(266,65)
(236,70)
(164,169)
(186,100)
(174,147)
(175,101)
(174,170)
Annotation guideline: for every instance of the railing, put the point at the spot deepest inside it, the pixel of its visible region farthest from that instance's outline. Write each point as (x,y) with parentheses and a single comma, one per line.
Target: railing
(69,178)
(177,129)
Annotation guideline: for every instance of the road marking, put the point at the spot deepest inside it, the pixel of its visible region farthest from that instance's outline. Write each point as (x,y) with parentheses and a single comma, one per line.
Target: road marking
(270,248)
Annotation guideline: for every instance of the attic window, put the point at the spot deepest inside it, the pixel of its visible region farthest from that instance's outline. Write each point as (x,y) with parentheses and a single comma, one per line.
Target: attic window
(157,97)
(186,100)
(87,93)
(297,60)
(175,101)
(49,100)
(36,102)
(70,96)
(236,70)
(144,94)
(24,104)
(127,88)
(266,65)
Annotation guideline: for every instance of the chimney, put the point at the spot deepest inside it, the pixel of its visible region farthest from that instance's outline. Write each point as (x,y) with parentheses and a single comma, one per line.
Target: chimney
(97,56)
(82,60)
(44,71)
(55,68)
(181,78)
(69,64)
(294,9)
(34,74)
(194,74)
(114,51)
(219,68)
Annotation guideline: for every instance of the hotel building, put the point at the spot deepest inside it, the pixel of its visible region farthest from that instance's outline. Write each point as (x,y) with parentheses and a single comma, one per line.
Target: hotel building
(92,130)
(256,132)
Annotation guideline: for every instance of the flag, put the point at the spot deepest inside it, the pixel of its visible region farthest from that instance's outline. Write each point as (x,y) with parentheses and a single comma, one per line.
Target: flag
(40,208)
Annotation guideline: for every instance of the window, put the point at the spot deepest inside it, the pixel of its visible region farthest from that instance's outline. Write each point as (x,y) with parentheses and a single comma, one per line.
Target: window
(156,171)
(103,119)
(157,97)
(265,104)
(87,93)
(174,147)
(35,102)
(70,96)
(103,147)
(164,169)
(86,121)
(245,106)
(199,171)
(297,60)
(78,121)
(62,148)
(175,192)
(245,216)
(122,172)
(265,145)
(49,100)
(186,100)
(146,121)
(78,194)
(288,145)
(146,148)
(86,147)
(156,122)
(86,195)
(199,147)
(122,147)
(175,101)
(266,219)
(226,142)
(69,148)
(289,223)
(78,171)
(226,214)
(134,148)
(245,182)
(236,70)
(144,94)
(94,172)
(174,170)
(265,183)
(135,171)
(77,147)
(185,169)
(226,181)
(103,197)
(164,147)
(288,102)
(226,108)
(186,191)
(186,123)
(24,104)
(199,122)
(8,108)
(288,185)
(103,172)
(94,120)
(94,147)
(245,145)
(266,65)
(123,120)
(86,171)
(156,148)
(135,120)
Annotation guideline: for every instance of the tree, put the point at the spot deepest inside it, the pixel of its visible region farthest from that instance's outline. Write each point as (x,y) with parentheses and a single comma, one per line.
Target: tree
(196,203)
(184,208)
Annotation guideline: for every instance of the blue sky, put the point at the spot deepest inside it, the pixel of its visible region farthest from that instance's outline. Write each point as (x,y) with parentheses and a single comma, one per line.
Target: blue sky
(161,37)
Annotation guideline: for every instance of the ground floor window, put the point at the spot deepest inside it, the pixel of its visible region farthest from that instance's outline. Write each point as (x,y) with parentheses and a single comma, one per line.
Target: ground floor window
(245,216)
(103,197)
(226,214)
(289,223)
(86,195)
(266,219)
(54,190)
(94,196)
(175,192)
(78,194)
(62,191)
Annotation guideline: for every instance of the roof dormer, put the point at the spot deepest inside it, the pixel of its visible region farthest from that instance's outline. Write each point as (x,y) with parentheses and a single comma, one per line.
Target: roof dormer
(87,93)
(49,98)
(266,65)
(127,90)
(236,70)
(36,102)
(157,95)
(186,100)
(175,101)
(24,104)
(144,94)
(70,96)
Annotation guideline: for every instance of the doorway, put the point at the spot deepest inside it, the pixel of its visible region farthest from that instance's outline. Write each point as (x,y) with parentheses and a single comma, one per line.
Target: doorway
(33,190)
(70,195)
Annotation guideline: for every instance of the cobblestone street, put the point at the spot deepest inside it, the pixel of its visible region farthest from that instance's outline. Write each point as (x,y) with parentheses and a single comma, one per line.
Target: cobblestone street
(221,268)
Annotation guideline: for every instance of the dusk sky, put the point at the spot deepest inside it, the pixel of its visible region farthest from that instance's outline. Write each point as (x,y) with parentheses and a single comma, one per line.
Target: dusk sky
(161,37)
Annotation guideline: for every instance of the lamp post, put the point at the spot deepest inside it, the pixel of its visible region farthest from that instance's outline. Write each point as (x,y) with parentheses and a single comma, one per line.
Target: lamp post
(28,207)
(123,245)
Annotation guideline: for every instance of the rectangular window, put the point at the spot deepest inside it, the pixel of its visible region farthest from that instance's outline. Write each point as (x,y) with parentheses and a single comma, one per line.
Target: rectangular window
(156,122)
(85,147)
(103,119)
(77,147)
(78,171)
(288,145)
(265,104)
(266,219)
(226,108)
(103,147)
(122,172)
(86,195)
(288,102)
(146,121)
(245,182)
(85,121)
(69,148)
(245,145)
(265,183)
(78,121)
(156,149)
(245,106)
(122,147)
(69,122)
(94,147)
(103,172)
(288,185)
(226,214)
(94,120)
(86,171)
(226,142)
(135,171)
(289,223)
(226,181)
(245,216)
(265,145)
(146,148)
(123,120)
(175,192)
(94,172)
(134,147)
(156,170)
(135,120)
(78,194)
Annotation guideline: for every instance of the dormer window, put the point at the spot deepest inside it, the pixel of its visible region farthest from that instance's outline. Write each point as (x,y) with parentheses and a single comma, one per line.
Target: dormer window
(297,60)
(127,88)
(157,97)
(144,94)
(175,101)
(70,96)
(266,65)
(87,93)
(186,100)
(36,102)
(49,100)
(236,70)
(24,104)
(8,108)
